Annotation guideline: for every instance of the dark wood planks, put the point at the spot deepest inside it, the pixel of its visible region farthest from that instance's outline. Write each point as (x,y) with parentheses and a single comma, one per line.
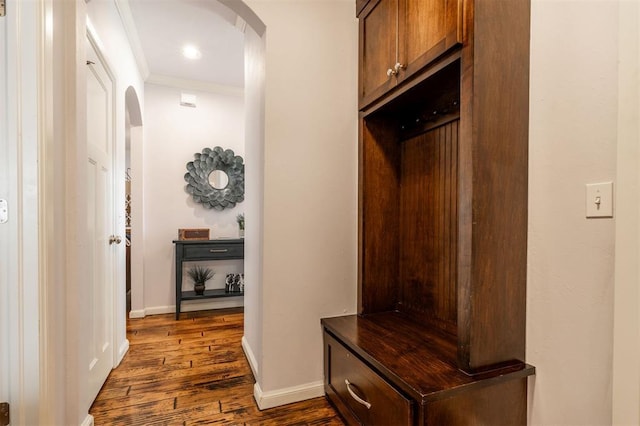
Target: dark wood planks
(193,372)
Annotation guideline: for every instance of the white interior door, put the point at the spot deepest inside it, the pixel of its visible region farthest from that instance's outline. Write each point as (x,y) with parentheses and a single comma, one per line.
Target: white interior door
(101,218)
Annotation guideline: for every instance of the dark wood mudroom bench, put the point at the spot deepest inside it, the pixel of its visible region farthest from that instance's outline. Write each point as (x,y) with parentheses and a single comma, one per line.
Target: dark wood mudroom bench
(443,98)
(416,362)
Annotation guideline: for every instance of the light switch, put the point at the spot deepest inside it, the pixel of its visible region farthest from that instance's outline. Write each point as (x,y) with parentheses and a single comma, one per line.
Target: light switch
(600,199)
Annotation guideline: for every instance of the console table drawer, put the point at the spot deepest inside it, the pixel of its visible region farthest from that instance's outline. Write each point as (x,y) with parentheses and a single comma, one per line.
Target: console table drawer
(370,398)
(219,251)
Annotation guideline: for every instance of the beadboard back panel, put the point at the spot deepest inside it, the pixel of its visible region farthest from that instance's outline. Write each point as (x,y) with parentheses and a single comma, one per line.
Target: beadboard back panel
(428,226)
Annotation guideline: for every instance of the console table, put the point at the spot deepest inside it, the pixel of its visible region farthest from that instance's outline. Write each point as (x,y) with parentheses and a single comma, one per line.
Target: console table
(193,251)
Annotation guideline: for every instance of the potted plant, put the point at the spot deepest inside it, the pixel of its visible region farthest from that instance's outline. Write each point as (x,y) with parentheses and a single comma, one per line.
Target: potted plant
(200,276)
(240,219)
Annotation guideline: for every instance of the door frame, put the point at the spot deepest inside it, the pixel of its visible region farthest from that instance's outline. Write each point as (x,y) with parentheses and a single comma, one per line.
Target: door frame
(26,235)
(44,237)
(6,228)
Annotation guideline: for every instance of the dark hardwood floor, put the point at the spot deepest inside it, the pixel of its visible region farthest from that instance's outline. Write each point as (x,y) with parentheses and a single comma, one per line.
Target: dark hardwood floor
(193,372)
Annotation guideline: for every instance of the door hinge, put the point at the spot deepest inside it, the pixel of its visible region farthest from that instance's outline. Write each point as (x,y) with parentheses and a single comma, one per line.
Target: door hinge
(4,414)
(2,8)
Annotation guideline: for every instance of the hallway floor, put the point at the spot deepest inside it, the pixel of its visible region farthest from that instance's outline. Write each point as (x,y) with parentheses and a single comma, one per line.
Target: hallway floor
(193,372)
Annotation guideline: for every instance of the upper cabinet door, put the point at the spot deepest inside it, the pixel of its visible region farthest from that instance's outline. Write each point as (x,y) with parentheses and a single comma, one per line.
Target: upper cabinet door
(427,29)
(400,37)
(378,48)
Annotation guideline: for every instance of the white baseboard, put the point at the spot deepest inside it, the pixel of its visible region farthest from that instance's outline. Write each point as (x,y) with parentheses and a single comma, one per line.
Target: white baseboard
(138,313)
(88,421)
(158,310)
(122,351)
(288,395)
(191,306)
(253,363)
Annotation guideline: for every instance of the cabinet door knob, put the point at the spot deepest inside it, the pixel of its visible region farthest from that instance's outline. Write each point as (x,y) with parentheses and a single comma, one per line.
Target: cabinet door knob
(395,70)
(115,239)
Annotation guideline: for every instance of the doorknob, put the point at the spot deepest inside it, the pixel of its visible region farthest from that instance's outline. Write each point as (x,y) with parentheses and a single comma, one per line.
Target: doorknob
(115,239)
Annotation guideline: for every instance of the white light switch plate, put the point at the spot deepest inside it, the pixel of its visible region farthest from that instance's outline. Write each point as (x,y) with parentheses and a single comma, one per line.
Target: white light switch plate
(599,199)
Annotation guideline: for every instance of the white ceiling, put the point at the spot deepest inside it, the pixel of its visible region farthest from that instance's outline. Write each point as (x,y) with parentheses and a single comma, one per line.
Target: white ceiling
(163,27)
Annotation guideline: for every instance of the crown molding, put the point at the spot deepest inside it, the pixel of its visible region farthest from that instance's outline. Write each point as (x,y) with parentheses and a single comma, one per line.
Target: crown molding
(203,86)
(132,34)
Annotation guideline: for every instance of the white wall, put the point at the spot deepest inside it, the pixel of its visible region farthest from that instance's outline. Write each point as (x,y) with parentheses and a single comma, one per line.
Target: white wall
(310,188)
(573,133)
(626,348)
(172,135)
(254,141)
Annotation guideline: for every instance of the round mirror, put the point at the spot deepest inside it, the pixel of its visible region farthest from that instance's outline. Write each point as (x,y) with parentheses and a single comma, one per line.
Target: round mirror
(215,178)
(218,179)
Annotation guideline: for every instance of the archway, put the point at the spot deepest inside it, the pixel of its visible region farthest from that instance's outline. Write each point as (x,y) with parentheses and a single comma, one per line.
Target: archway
(134,191)
(254,46)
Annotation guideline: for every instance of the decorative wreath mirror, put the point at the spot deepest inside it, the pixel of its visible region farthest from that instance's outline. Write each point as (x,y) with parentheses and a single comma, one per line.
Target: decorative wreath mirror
(215,178)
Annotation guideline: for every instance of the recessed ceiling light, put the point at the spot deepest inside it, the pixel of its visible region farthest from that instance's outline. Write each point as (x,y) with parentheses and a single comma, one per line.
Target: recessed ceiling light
(191,52)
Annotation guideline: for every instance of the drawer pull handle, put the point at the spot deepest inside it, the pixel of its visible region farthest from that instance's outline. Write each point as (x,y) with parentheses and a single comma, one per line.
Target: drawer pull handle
(218,251)
(356,397)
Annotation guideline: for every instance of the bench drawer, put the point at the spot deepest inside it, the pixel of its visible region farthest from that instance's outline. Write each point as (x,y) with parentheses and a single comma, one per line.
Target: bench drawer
(368,396)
